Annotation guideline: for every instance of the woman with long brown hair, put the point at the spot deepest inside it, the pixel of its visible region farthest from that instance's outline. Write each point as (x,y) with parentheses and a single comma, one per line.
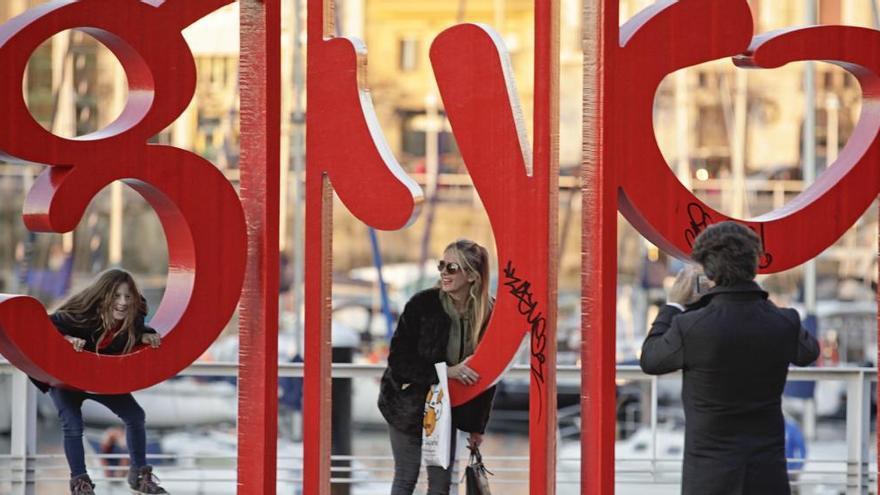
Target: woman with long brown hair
(444,323)
(107,317)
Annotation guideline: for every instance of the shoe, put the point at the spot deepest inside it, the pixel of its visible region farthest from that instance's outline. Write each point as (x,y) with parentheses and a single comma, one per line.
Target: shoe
(142,481)
(82,485)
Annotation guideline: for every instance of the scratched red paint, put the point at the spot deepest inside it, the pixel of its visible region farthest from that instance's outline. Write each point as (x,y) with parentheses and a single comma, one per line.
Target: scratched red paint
(260,84)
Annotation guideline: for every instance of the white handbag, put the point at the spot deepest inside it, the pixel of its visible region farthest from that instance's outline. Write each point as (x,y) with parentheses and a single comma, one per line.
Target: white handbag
(437,423)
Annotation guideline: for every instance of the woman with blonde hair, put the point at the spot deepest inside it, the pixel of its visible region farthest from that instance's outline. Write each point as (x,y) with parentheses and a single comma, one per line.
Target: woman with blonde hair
(443,323)
(107,317)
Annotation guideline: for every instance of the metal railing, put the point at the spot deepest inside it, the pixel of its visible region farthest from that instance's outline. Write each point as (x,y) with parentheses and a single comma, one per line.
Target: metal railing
(853,473)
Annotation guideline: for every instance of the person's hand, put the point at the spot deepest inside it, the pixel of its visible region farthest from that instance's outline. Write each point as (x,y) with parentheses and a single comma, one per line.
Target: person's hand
(682,290)
(78,344)
(474,440)
(151,339)
(463,373)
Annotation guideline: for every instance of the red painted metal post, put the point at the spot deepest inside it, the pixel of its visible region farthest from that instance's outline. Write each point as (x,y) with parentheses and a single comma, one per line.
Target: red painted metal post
(318,268)
(599,245)
(542,401)
(260,83)
(318,359)
(345,148)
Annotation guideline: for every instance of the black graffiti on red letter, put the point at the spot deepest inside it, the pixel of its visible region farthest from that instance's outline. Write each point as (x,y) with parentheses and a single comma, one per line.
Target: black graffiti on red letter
(528,307)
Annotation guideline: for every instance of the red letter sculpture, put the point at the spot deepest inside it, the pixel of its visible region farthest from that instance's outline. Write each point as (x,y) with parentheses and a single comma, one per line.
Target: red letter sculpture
(345,149)
(205,225)
(519,192)
(199,210)
(624,167)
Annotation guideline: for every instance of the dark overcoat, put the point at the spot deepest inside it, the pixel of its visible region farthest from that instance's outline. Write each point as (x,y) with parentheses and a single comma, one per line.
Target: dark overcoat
(420,341)
(734,349)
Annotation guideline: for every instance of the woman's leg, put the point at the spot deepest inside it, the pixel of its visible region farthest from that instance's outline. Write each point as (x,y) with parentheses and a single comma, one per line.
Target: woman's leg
(407,452)
(131,413)
(440,479)
(69,404)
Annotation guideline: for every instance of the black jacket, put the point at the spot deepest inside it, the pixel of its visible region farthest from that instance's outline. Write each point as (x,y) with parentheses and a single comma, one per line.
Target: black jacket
(91,334)
(734,351)
(418,342)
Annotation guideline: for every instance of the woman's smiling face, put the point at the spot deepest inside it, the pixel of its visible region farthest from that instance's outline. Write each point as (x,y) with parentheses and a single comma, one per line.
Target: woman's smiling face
(454,279)
(121,301)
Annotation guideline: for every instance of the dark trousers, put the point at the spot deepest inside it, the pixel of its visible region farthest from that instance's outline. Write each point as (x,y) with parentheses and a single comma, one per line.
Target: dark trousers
(407,452)
(69,405)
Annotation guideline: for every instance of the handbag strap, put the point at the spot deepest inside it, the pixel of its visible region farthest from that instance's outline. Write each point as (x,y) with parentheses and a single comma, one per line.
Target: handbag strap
(476,460)
(476,457)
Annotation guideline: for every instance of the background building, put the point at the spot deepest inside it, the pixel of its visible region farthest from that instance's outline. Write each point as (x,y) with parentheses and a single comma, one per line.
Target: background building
(736,137)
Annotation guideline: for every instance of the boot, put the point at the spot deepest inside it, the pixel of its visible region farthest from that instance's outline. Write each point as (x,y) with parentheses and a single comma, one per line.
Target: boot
(142,481)
(82,485)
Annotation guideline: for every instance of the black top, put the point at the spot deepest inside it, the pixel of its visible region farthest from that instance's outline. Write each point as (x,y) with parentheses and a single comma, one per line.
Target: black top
(91,332)
(419,341)
(734,348)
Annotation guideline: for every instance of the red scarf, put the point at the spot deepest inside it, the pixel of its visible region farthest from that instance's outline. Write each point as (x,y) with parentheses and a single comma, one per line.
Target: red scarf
(109,336)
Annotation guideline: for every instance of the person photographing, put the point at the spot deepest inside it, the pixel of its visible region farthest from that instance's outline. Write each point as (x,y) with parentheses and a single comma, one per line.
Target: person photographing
(734,347)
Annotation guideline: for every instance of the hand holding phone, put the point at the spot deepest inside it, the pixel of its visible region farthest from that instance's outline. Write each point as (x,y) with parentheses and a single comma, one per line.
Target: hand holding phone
(683,288)
(701,285)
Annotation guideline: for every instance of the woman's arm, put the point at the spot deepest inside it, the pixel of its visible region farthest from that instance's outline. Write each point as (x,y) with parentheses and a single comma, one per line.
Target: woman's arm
(473,415)
(78,344)
(152,339)
(67,328)
(146,334)
(403,358)
(71,333)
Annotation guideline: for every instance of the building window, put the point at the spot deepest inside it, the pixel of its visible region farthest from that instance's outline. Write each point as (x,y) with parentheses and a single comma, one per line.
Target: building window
(413,130)
(409,54)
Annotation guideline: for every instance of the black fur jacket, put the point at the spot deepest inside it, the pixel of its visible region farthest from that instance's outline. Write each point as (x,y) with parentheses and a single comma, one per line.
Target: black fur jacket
(418,342)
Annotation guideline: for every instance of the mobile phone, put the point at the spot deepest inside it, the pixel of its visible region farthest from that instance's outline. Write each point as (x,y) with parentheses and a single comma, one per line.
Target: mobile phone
(701,285)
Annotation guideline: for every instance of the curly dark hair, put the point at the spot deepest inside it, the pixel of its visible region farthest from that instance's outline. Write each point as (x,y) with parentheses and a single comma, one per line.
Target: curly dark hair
(728,252)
